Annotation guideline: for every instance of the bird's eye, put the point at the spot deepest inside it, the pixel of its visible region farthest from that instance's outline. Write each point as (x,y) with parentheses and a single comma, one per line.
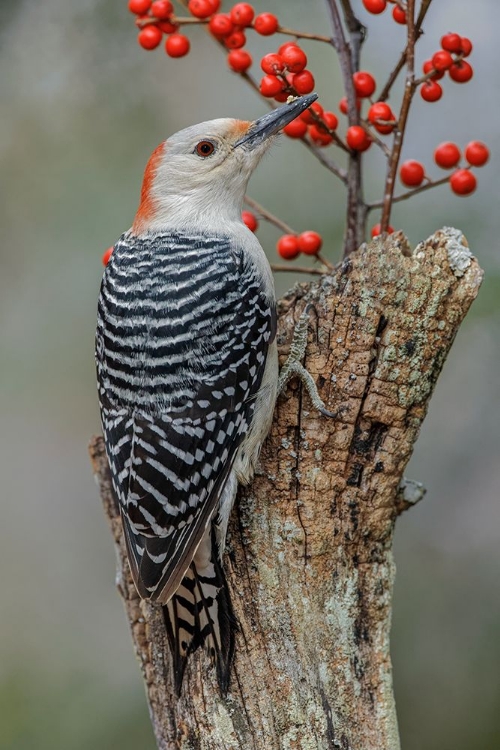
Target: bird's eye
(205,148)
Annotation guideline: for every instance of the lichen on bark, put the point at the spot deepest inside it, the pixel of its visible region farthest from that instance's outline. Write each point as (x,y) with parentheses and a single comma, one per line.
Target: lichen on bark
(309,557)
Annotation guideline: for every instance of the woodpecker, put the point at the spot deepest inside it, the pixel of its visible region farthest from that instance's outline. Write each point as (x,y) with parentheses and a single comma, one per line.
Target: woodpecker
(187,372)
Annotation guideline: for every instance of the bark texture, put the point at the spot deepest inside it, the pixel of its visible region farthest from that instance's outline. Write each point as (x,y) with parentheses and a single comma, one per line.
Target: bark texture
(309,557)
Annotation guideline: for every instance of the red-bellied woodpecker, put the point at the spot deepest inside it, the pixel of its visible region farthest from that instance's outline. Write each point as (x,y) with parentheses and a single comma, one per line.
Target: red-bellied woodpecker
(188,372)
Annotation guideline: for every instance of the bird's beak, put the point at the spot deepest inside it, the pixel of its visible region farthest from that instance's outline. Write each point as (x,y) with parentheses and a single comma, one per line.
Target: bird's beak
(269,124)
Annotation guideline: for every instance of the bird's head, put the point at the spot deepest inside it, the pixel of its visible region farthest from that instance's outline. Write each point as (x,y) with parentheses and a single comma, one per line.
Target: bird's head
(200,174)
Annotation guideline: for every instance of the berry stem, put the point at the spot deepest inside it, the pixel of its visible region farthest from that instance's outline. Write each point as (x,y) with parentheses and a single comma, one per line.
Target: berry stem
(304,35)
(384,95)
(403,116)
(265,214)
(410,193)
(371,132)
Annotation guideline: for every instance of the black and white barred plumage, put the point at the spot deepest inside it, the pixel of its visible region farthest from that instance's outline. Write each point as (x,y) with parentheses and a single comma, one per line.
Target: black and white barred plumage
(184,328)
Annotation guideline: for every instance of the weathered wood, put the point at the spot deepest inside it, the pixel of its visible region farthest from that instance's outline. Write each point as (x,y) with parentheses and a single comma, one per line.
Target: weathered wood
(309,556)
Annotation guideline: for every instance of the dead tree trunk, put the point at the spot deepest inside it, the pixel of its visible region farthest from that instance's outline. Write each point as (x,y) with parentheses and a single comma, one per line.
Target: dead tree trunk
(309,557)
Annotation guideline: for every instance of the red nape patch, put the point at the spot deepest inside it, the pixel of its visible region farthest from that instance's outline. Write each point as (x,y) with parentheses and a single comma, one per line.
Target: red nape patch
(146,209)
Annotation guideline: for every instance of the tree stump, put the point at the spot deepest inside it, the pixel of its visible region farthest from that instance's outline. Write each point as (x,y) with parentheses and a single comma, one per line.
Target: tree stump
(309,557)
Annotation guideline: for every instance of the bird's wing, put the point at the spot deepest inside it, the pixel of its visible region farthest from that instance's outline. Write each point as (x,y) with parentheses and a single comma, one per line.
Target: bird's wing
(170,455)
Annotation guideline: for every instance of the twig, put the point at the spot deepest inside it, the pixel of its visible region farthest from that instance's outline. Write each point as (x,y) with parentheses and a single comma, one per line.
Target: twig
(271,218)
(357,32)
(409,193)
(354,229)
(403,116)
(384,95)
(305,35)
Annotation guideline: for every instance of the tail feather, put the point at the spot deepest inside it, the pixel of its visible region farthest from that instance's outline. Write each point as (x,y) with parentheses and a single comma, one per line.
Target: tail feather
(200,614)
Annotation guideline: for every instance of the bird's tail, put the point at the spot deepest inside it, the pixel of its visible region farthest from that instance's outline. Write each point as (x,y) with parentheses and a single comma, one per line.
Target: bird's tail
(200,614)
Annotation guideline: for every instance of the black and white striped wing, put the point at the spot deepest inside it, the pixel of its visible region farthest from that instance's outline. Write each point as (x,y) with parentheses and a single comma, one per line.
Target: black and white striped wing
(183,332)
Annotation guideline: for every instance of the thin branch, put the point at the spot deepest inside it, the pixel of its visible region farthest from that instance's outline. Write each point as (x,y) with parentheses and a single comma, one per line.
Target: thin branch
(410,193)
(357,32)
(403,117)
(305,35)
(271,218)
(354,228)
(384,95)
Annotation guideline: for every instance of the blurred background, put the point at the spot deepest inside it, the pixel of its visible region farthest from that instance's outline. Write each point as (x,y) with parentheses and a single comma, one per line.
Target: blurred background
(82,108)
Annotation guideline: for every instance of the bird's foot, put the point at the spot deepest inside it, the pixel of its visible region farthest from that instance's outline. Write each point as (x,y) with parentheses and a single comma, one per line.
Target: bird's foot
(293,366)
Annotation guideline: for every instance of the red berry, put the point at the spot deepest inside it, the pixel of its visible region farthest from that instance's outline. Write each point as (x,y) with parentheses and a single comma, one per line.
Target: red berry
(376,230)
(428,67)
(288,246)
(442,60)
(239,60)
(447,155)
(310,243)
(150,37)
(307,114)
(461,72)
(452,43)
(266,24)
(296,129)
(303,82)
(167,27)
(381,111)
(139,6)
(221,25)
(107,256)
(364,83)
(466,46)
(281,97)
(236,40)
(272,64)
(285,46)
(399,16)
(375,6)
(330,120)
(177,45)
(270,86)
(411,173)
(319,135)
(242,14)
(431,91)
(477,153)
(357,138)
(294,58)
(200,8)
(344,107)
(463,182)
(162,9)
(248,217)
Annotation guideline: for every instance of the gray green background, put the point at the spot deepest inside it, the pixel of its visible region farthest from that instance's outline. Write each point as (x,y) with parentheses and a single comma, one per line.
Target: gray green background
(82,106)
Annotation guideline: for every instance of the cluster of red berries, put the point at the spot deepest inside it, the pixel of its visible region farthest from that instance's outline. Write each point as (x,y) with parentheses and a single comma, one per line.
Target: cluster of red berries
(289,246)
(286,74)
(156,17)
(448,156)
(378,6)
(449,59)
